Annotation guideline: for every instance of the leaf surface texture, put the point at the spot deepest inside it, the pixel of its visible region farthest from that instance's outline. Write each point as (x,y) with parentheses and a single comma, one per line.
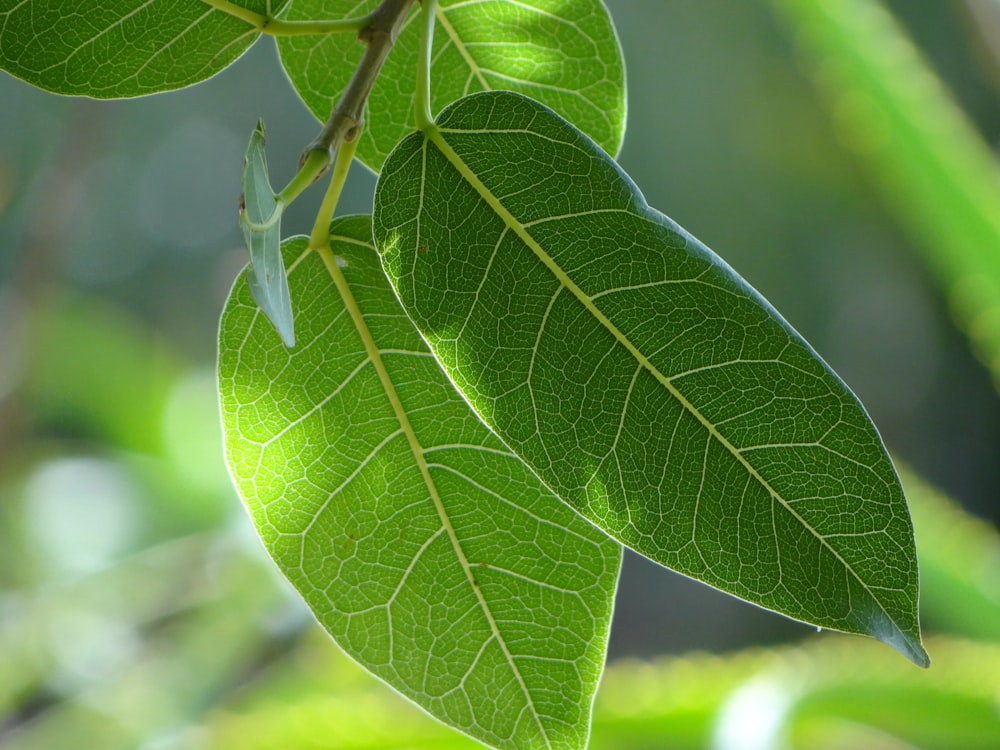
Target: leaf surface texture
(430,553)
(121,48)
(564,54)
(638,375)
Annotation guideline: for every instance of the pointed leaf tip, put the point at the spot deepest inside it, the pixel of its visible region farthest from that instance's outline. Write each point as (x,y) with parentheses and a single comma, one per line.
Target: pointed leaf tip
(638,375)
(908,644)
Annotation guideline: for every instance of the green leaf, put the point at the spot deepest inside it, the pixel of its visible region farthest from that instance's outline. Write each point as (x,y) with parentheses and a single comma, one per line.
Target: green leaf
(430,553)
(638,375)
(121,48)
(566,55)
(260,220)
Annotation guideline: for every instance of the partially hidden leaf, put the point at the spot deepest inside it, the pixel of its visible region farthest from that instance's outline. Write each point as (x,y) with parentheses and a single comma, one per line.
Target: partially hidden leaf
(260,219)
(564,54)
(121,48)
(430,553)
(638,375)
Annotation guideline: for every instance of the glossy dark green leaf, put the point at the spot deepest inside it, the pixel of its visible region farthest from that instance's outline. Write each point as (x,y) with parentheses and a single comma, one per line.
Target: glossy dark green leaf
(565,54)
(430,553)
(260,220)
(110,49)
(638,375)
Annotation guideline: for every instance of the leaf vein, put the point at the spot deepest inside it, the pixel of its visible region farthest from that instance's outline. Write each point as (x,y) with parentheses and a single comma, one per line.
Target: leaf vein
(418,454)
(436,136)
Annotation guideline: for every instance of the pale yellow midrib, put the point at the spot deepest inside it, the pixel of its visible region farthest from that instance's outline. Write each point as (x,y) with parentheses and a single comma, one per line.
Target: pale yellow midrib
(374,355)
(442,18)
(435,135)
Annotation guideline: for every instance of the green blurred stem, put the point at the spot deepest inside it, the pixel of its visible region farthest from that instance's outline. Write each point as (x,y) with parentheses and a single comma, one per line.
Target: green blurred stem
(422,110)
(276,27)
(935,170)
(320,237)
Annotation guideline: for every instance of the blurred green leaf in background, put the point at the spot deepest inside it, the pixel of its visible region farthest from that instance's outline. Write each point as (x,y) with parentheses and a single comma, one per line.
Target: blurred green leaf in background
(136,606)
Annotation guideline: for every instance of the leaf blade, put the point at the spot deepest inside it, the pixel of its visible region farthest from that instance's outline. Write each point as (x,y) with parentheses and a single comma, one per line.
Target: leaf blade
(121,49)
(432,496)
(573,64)
(666,400)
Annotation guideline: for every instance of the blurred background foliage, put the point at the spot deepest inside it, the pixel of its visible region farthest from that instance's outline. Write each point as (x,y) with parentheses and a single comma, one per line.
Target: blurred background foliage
(841,156)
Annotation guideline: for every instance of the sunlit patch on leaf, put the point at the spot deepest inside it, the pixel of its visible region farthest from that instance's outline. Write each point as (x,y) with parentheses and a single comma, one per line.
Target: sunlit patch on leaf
(565,54)
(431,554)
(638,375)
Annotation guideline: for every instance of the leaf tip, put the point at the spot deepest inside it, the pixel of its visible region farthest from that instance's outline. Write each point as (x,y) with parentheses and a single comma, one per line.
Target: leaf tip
(914,651)
(906,643)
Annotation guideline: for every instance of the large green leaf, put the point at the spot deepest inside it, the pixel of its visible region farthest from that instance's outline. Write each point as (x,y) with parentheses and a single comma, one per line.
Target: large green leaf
(429,552)
(565,54)
(121,48)
(638,375)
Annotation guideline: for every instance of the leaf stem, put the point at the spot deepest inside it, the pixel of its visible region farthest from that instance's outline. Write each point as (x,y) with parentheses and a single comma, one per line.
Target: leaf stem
(267,24)
(274,218)
(422,109)
(311,167)
(344,125)
(320,237)
(379,35)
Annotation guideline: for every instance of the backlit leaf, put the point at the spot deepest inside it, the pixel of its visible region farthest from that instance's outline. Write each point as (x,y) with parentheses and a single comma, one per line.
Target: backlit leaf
(638,375)
(430,553)
(110,49)
(565,54)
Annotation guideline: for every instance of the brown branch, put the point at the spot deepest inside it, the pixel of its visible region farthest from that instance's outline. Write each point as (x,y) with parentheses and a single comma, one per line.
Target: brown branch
(379,36)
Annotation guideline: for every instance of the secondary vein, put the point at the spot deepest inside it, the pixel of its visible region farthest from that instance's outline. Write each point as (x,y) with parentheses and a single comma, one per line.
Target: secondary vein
(436,136)
(375,357)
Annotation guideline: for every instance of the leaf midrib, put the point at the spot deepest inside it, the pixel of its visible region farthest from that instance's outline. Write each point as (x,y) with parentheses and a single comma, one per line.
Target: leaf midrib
(435,135)
(374,356)
(477,71)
